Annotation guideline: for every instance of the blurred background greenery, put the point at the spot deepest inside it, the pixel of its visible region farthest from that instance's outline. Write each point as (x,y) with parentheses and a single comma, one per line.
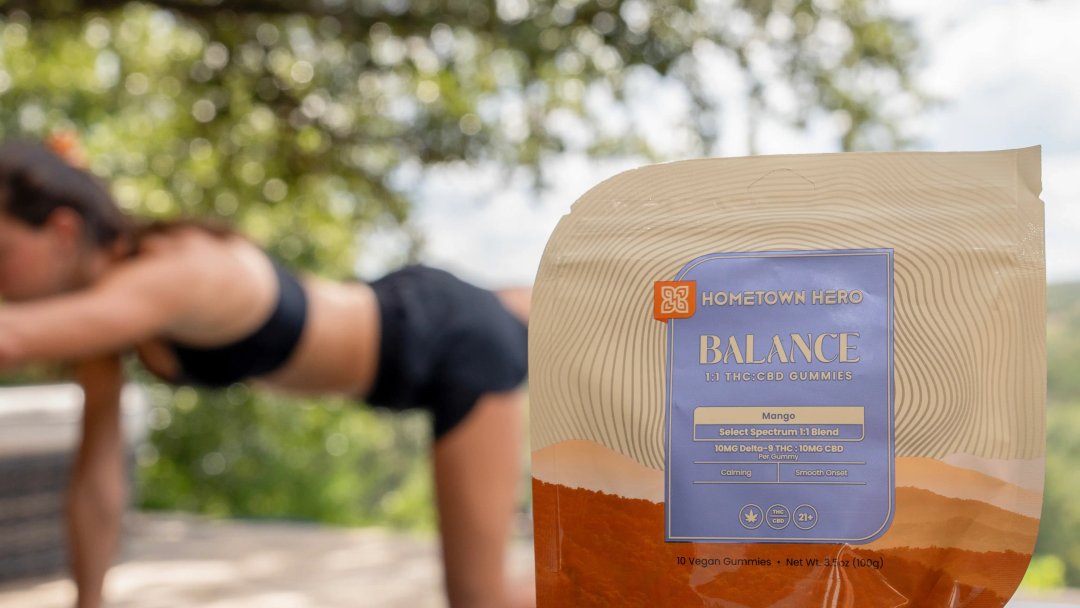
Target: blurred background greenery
(306,123)
(1057,560)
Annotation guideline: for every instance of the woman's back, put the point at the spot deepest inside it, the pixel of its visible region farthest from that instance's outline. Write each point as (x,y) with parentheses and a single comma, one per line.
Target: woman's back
(243,305)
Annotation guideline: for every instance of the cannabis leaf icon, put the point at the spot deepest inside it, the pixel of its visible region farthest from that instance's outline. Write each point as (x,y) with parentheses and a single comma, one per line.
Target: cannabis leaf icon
(751,517)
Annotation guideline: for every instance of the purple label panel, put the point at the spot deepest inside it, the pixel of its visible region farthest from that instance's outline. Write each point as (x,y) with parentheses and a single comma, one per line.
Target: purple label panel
(779,398)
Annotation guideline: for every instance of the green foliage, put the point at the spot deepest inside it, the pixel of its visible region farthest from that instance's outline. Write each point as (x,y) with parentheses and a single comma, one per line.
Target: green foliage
(178,128)
(238,453)
(1059,531)
(1063,342)
(195,107)
(1046,572)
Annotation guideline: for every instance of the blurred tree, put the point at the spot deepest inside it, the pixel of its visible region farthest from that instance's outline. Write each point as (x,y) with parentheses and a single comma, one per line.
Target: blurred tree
(1058,547)
(234,108)
(1063,342)
(1059,529)
(307,122)
(243,454)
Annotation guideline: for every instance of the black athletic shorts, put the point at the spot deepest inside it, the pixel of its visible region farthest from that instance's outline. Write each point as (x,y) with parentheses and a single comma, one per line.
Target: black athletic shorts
(444,343)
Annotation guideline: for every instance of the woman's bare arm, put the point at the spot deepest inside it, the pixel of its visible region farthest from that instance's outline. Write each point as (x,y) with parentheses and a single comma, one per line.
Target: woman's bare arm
(97,493)
(137,300)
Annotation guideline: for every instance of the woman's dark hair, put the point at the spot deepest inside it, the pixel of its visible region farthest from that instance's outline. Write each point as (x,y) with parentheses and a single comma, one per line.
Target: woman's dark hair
(35,181)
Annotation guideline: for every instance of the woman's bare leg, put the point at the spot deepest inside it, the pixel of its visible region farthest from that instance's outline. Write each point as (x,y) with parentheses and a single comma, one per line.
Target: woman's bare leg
(477,477)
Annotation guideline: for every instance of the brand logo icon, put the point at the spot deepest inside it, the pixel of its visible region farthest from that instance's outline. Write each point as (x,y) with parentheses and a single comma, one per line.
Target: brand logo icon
(674,299)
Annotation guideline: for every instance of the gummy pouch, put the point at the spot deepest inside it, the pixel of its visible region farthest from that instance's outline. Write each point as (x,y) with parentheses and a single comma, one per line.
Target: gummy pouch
(813,380)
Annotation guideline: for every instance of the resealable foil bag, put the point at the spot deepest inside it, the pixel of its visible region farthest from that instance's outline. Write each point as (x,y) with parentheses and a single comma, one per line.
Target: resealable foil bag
(793,381)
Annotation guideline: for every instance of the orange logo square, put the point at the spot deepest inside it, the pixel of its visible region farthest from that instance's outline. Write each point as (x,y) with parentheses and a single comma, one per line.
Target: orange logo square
(674,299)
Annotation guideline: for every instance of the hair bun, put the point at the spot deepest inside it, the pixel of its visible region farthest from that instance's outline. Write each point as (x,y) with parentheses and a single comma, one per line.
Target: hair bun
(66,145)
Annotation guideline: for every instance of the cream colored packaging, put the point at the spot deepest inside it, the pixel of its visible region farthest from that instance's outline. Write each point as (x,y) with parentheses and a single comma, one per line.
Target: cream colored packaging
(813,380)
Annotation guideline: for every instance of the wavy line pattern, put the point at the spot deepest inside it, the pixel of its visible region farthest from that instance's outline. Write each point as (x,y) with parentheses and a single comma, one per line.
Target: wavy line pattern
(969,275)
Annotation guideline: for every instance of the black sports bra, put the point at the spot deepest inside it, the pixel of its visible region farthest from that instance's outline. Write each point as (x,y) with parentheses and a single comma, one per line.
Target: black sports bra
(262,352)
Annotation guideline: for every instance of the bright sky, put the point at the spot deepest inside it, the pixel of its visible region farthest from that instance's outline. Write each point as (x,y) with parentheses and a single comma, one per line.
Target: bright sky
(1005,68)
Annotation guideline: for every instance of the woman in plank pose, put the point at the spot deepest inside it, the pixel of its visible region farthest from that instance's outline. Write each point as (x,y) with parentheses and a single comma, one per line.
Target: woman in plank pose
(204,305)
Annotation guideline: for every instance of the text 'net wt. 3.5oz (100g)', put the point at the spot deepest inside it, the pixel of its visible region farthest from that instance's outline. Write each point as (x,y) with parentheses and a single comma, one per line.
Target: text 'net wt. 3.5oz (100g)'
(812,380)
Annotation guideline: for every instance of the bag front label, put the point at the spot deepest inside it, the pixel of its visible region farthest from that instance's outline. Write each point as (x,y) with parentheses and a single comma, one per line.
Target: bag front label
(779,397)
